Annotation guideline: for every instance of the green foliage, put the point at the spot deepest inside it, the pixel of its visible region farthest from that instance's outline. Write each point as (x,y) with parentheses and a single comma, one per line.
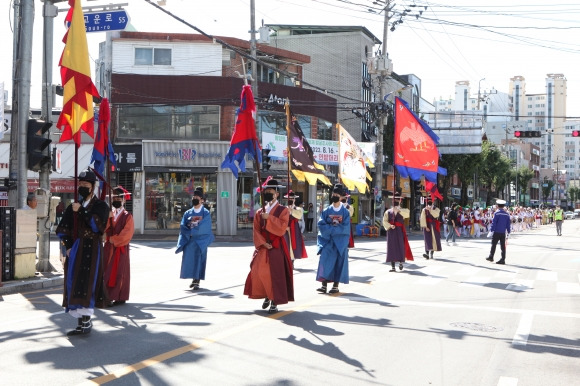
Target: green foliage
(547,189)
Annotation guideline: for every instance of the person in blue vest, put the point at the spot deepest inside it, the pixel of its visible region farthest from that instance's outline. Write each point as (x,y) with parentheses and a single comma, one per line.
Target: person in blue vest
(333,237)
(501,228)
(195,236)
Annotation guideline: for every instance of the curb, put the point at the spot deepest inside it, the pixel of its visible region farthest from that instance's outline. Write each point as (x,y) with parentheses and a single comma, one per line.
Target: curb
(38,282)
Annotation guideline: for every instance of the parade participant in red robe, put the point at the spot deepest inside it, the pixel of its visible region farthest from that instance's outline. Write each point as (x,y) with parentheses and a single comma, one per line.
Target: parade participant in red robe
(270,276)
(118,235)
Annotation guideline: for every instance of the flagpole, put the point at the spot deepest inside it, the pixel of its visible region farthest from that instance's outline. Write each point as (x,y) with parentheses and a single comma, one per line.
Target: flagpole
(288,122)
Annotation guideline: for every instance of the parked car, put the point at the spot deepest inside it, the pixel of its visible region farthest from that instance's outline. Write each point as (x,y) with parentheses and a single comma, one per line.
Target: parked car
(569,215)
(577,212)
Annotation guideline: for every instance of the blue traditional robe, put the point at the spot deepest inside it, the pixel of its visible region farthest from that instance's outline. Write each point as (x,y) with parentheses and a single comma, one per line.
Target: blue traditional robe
(194,241)
(333,236)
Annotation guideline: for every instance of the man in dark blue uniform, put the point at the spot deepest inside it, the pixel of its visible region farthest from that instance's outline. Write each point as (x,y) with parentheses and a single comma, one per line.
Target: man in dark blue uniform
(500,228)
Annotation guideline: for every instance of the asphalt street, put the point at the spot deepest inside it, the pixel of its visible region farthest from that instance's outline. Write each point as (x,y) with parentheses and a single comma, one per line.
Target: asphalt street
(454,320)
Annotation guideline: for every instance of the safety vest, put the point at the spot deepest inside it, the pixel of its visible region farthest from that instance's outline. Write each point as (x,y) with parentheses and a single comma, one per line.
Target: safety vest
(558,214)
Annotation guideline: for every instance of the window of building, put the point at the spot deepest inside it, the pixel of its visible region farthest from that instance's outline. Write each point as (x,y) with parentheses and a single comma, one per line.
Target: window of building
(169,122)
(275,122)
(152,56)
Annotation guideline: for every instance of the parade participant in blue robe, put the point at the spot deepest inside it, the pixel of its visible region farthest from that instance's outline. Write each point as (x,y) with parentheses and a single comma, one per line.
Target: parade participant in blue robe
(195,236)
(333,236)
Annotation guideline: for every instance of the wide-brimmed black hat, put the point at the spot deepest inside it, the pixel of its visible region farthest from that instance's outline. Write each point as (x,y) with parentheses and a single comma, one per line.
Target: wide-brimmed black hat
(87,175)
(290,194)
(272,184)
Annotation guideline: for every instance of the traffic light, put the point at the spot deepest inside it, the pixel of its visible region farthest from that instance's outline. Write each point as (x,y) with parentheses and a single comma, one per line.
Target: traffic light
(527,134)
(36,144)
(576,133)
(266,160)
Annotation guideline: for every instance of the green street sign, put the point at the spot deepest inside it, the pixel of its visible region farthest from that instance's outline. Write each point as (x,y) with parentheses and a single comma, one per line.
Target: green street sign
(225,194)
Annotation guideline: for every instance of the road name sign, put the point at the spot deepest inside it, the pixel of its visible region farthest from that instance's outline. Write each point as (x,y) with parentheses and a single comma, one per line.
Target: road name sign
(114,20)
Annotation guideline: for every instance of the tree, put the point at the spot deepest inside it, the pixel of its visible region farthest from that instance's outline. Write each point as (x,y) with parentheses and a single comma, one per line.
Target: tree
(525,175)
(547,189)
(574,194)
(493,170)
(452,162)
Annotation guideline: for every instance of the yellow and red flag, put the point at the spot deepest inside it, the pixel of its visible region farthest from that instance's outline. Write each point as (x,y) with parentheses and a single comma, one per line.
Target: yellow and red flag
(75,72)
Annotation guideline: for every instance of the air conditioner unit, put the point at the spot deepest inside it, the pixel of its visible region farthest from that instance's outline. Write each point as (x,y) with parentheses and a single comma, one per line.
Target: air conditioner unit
(455,192)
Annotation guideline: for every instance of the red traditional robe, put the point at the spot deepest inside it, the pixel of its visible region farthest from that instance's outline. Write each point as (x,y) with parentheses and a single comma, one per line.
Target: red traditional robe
(271,269)
(117,276)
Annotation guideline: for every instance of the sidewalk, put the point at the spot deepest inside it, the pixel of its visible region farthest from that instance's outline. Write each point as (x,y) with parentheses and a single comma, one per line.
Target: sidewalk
(56,278)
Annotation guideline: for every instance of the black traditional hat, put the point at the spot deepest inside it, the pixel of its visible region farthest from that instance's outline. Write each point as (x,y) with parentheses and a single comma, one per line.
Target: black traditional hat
(338,189)
(88,176)
(120,191)
(290,194)
(198,192)
(272,184)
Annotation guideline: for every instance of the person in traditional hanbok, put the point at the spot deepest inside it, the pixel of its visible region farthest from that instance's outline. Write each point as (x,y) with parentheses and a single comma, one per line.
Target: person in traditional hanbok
(270,276)
(81,232)
(398,249)
(332,242)
(293,237)
(195,236)
(118,235)
(431,229)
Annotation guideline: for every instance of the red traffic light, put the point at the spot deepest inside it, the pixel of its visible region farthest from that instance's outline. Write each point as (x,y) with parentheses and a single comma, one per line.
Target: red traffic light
(576,133)
(527,134)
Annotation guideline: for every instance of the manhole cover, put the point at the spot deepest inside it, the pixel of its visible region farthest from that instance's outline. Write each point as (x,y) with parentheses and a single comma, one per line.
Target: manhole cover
(476,326)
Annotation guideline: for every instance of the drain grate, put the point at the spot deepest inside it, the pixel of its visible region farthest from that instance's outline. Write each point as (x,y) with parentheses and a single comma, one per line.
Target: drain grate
(476,326)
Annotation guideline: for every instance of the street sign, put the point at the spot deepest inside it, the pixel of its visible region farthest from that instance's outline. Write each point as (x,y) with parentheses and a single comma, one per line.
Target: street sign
(225,194)
(114,20)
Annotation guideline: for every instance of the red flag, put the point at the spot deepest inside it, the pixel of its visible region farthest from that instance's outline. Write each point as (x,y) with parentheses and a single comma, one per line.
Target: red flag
(416,151)
(244,139)
(431,187)
(75,71)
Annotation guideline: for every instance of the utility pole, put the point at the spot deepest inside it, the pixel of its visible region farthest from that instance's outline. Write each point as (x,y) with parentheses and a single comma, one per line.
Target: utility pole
(383,69)
(49,12)
(22,69)
(254,55)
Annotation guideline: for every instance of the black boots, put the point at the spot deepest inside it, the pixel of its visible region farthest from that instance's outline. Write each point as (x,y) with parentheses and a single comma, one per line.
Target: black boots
(84,326)
(194,284)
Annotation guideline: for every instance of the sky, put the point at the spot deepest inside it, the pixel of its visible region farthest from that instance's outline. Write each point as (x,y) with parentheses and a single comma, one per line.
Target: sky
(450,41)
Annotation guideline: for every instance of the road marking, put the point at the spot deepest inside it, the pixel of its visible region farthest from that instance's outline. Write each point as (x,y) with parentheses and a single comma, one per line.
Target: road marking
(507,381)
(547,275)
(475,281)
(523,331)
(521,285)
(568,288)
(202,343)
(468,271)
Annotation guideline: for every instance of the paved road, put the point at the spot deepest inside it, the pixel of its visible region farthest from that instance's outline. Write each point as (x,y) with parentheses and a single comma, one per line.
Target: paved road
(455,320)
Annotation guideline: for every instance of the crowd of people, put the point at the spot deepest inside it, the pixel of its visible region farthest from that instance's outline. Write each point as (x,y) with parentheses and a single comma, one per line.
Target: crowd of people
(95,239)
(475,222)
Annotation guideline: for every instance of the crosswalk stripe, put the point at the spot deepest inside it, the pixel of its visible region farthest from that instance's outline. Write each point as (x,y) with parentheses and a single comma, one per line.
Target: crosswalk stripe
(475,281)
(523,331)
(547,275)
(507,381)
(521,285)
(468,271)
(568,288)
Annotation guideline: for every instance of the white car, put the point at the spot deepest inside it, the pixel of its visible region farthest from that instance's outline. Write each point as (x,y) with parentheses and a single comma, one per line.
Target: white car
(569,215)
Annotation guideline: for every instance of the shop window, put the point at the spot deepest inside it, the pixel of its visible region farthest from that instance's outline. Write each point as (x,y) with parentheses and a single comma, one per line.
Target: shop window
(168,197)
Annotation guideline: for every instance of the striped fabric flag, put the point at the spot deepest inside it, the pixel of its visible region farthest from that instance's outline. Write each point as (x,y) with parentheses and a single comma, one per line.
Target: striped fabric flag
(103,148)
(75,71)
(351,162)
(301,155)
(244,139)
